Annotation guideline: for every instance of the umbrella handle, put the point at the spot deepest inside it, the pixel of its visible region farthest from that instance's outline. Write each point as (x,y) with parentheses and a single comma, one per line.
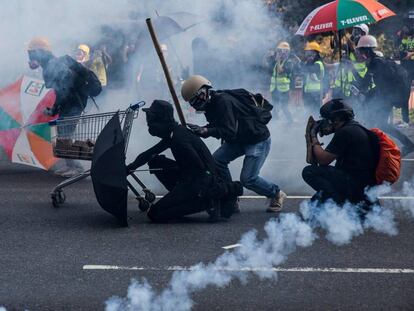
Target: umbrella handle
(138,105)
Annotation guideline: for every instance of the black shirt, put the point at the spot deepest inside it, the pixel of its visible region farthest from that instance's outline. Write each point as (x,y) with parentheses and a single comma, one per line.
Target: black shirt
(356,153)
(191,154)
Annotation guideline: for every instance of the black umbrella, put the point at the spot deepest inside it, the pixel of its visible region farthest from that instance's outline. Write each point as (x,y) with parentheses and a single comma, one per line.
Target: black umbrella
(108,171)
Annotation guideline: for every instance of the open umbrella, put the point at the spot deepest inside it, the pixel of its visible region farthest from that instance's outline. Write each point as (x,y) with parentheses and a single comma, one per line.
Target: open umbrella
(108,170)
(24,129)
(342,14)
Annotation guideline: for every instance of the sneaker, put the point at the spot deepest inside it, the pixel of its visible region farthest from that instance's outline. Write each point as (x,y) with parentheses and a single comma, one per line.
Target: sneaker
(276,203)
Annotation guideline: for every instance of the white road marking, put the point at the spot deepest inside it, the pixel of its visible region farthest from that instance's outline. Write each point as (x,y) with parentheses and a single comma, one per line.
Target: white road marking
(305,197)
(231,246)
(253,269)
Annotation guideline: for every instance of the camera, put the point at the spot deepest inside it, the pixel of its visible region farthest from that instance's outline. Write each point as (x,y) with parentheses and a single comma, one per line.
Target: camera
(324,127)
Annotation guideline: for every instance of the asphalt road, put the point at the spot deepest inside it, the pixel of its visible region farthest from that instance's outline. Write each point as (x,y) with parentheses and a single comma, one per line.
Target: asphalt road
(43,251)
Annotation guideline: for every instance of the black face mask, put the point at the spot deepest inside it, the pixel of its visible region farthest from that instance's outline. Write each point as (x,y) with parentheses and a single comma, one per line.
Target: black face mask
(157,126)
(159,129)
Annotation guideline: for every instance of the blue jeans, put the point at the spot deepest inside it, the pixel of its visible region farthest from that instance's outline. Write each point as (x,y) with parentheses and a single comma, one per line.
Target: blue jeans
(255,156)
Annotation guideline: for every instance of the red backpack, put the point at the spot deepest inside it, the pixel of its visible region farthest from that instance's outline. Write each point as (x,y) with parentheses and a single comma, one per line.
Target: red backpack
(389,163)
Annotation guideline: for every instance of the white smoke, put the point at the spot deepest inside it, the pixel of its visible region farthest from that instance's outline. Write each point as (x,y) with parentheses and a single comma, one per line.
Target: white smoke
(283,236)
(407,205)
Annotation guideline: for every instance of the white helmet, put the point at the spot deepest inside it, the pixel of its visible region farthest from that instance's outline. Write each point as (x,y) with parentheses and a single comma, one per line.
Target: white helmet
(364,28)
(367,42)
(192,85)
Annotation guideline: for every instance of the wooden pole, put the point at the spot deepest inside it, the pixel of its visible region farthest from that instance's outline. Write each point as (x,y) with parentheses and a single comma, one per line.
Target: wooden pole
(166,71)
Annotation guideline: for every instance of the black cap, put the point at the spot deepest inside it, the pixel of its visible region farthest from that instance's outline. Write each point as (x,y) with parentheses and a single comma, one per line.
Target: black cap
(334,107)
(161,108)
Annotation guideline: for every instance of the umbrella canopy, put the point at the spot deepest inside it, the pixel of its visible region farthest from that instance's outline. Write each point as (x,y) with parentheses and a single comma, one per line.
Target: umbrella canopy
(342,14)
(24,129)
(108,171)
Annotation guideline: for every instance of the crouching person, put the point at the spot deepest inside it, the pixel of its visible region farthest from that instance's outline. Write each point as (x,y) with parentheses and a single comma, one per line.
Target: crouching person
(353,147)
(191,178)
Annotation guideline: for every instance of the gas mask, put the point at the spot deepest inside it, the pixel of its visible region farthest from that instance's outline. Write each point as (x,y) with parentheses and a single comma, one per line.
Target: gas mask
(35,57)
(282,54)
(357,33)
(310,56)
(199,101)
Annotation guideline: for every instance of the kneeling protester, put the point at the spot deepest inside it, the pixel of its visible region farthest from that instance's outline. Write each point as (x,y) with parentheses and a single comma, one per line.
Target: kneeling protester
(191,177)
(364,157)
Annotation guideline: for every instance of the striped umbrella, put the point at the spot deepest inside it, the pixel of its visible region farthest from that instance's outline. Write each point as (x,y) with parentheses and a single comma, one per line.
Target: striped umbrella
(341,14)
(24,129)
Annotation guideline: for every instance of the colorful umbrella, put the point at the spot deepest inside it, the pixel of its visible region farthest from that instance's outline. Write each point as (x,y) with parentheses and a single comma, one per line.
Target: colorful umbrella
(341,14)
(24,129)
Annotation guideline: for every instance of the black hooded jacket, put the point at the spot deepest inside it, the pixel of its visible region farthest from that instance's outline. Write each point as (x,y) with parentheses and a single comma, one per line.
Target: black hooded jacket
(67,78)
(191,154)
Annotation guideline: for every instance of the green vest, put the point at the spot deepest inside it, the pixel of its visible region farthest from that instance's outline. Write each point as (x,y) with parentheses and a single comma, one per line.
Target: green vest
(348,77)
(407,45)
(313,82)
(279,81)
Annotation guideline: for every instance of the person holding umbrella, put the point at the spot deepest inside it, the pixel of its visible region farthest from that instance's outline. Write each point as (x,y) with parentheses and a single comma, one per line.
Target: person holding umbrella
(191,179)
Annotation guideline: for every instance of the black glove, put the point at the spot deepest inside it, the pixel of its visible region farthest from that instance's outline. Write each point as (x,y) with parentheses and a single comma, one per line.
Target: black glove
(201,131)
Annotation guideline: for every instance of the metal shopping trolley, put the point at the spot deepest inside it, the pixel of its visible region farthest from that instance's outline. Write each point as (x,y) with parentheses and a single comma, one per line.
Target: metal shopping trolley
(75,137)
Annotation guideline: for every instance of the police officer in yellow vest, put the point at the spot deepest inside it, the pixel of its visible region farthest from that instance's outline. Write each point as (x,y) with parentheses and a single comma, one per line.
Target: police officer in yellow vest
(281,80)
(313,71)
(347,84)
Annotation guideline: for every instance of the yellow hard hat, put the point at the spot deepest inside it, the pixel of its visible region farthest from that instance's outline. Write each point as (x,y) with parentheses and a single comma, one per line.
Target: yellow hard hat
(313,46)
(283,45)
(84,48)
(39,43)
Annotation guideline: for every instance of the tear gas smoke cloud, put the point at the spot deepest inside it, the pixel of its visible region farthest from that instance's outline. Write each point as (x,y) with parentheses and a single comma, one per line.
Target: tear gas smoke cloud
(234,36)
(408,190)
(283,236)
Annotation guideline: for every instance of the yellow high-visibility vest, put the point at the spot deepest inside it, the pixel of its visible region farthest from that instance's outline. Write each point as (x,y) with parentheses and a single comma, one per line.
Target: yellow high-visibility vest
(279,81)
(313,82)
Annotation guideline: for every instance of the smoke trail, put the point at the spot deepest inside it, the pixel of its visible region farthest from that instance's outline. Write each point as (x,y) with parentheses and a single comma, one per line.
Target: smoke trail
(407,205)
(283,236)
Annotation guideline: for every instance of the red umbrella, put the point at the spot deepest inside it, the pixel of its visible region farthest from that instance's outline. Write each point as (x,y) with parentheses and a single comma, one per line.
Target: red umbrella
(342,14)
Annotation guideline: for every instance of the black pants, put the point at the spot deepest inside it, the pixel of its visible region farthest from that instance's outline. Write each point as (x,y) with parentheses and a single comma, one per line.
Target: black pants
(188,197)
(333,183)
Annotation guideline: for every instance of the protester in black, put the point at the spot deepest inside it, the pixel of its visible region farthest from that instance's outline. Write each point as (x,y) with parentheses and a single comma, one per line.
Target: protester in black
(69,81)
(242,130)
(191,179)
(355,150)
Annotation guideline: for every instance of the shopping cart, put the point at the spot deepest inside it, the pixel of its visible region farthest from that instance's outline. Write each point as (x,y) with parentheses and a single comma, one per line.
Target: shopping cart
(75,137)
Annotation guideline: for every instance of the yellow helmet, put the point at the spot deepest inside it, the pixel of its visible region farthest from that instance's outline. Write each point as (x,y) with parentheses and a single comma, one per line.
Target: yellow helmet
(313,46)
(192,85)
(84,48)
(283,45)
(39,43)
